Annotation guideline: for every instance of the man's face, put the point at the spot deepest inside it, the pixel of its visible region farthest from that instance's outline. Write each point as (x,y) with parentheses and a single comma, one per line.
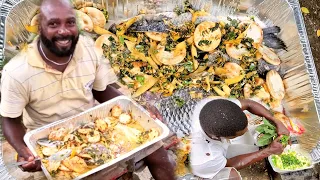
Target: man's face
(58,30)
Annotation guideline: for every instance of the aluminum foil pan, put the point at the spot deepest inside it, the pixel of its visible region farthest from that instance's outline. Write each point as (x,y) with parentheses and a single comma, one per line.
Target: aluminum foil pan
(100,111)
(302,99)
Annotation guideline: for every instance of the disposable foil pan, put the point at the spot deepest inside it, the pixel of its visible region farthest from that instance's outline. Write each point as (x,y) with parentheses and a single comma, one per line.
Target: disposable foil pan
(100,111)
(296,148)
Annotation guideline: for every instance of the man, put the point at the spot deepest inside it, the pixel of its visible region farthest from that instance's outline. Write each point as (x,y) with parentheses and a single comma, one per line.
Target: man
(59,75)
(221,139)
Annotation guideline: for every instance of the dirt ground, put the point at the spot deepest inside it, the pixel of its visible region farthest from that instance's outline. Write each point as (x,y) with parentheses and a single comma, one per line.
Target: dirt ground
(312,22)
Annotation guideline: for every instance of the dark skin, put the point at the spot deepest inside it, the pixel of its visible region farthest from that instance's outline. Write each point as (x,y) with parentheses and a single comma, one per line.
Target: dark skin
(14,131)
(275,147)
(55,22)
(58,20)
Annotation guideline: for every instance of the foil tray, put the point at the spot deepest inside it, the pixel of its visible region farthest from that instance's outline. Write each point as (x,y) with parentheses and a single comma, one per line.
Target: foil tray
(100,111)
(296,148)
(302,100)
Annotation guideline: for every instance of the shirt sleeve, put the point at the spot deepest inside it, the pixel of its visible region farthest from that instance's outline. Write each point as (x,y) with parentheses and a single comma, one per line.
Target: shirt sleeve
(14,96)
(105,75)
(207,162)
(209,169)
(236,101)
(206,158)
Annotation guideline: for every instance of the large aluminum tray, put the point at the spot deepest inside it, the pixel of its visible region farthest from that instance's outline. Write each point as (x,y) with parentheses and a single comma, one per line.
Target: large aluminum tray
(301,80)
(100,111)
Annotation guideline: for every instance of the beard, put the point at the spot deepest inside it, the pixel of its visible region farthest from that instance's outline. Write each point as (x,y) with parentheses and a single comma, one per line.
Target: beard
(51,46)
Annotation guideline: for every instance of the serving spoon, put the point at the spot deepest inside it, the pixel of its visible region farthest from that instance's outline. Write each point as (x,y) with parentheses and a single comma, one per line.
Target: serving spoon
(56,157)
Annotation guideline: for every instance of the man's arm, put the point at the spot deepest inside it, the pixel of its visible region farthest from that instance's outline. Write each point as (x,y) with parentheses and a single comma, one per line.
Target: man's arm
(109,93)
(160,166)
(14,98)
(14,132)
(257,109)
(245,160)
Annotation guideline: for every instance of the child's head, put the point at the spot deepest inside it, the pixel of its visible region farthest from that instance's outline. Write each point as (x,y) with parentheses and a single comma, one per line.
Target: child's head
(223,118)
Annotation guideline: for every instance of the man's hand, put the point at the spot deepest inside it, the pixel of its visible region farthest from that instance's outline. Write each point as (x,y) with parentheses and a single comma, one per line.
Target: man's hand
(281,128)
(32,166)
(154,112)
(259,110)
(245,160)
(275,147)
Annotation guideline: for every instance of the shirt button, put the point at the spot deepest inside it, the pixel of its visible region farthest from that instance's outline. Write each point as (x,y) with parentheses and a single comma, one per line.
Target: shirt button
(208,154)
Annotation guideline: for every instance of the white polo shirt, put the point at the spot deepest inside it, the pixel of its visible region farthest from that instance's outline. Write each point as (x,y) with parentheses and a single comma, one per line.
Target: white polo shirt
(208,156)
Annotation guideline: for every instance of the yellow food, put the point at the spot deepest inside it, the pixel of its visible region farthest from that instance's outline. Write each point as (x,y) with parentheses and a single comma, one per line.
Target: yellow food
(207,36)
(232,70)
(122,28)
(254,32)
(32,29)
(269,55)
(247,91)
(116,111)
(100,31)
(156,35)
(84,130)
(234,80)
(237,51)
(48,151)
(101,125)
(96,16)
(95,143)
(53,166)
(149,83)
(75,164)
(196,14)
(35,20)
(93,137)
(188,55)
(182,151)
(226,90)
(173,57)
(84,21)
(219,91)
(124,118)
(104,40)
(58,135)
(275,85)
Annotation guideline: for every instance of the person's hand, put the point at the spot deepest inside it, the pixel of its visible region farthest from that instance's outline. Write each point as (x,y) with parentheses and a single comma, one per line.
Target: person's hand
(154,112)
(32,166)
(275,147)
(281,129)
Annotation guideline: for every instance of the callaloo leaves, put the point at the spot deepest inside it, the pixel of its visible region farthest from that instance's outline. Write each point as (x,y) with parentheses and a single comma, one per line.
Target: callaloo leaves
(268,133)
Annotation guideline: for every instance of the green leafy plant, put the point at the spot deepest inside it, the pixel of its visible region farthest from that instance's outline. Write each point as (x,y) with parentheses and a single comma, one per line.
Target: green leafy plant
(268,132)
(179,101)
(140,79)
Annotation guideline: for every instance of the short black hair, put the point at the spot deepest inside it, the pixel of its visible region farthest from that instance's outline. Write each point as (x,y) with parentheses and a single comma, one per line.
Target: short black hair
(222,118)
